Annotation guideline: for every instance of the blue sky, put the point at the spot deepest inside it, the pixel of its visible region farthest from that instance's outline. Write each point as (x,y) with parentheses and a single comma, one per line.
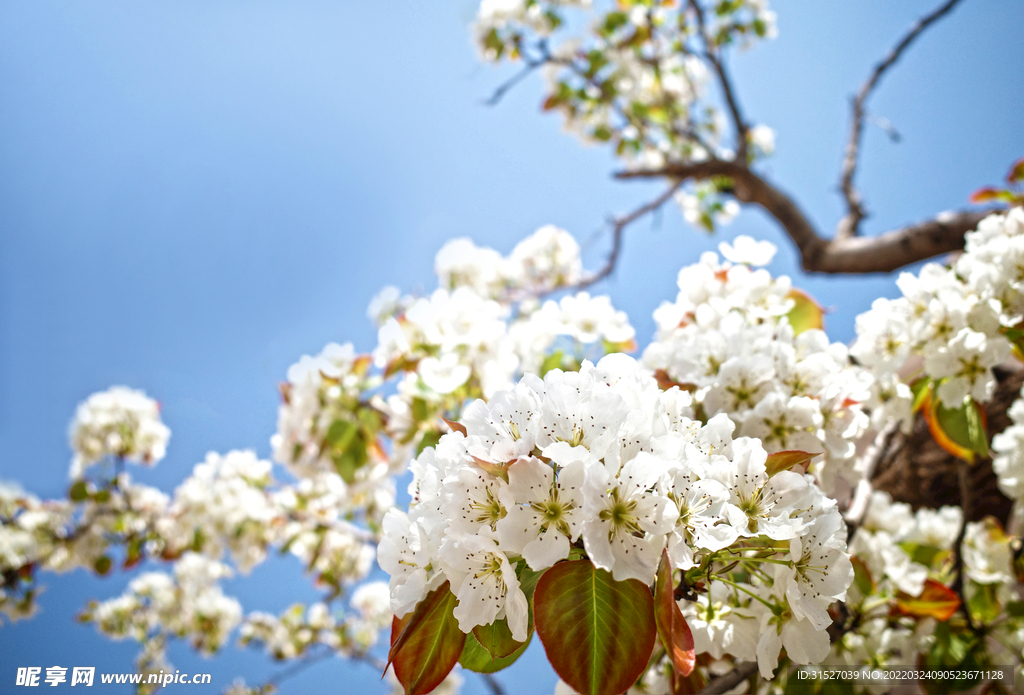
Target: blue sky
(194,194)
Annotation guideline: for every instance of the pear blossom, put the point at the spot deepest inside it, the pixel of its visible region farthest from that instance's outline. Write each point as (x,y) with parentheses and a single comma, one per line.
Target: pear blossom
(119,422)
(548,510)
(485,584)
(619,510)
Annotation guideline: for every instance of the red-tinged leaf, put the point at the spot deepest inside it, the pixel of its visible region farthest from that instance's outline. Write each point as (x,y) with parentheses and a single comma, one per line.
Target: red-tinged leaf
(985,195)
(806,313)
(672,627)
(598,633)
(496,638)
(862,578)
(962,432)
(1016,174)
(499,470)
(936,601)
(361,365)
(785,460)
(665,382)
(426,644)
(455,426)
(286,391)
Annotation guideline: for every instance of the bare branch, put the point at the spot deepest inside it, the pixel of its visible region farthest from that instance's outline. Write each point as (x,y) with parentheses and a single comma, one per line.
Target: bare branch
(529,65)
(881,254)
(966,505)
(742,672)
(493,684)
(717,61)
(618,227)
(855,209)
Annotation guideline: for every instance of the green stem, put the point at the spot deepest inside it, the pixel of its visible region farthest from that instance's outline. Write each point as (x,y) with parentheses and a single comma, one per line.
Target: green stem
(746,591)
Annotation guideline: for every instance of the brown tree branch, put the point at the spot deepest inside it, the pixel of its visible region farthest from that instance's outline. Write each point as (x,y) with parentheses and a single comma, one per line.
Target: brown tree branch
(855,207)
(618,227)
(881,254)
(742,672)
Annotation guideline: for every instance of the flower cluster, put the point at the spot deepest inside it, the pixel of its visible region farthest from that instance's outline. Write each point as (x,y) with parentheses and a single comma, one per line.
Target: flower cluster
(121,423)
(301,627)
(960,319)
(900,608)
(638,79)
(730,337)
(190,605)
(603,461)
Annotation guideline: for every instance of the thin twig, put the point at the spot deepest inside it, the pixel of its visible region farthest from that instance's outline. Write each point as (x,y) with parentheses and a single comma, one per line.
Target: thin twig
(529,65)
(493,683)
(618,227)
(742,672)
(855,209)
(966,502)
(295,669)
(714,56)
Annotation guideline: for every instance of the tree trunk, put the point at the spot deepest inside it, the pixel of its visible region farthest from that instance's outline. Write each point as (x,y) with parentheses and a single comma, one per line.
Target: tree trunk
(917,471)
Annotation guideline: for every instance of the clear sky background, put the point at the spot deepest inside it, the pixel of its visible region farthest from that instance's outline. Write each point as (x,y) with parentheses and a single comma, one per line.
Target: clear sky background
(195,193)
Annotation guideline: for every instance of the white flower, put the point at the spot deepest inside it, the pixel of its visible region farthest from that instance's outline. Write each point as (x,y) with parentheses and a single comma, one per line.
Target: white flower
(485,584)
(821,570)
(987,553)
(700,505)
(544,513)
(119,422)
(965,367)
(444,375)
(763,140)
(748,251)
(471,501)
(620,510)
(409,554)
(761,504)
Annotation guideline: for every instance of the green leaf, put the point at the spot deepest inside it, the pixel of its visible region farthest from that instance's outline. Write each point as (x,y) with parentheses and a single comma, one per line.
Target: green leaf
(552,361)
(78,492)
(496,638)
(340,434)
(950,647)
(960,431)
(984,603)
(806,313)
(426,644)
(976,430)
(598,633)
(785,460)
(862,578)
(102,564)
(346,448)
(475,658)
(420,409)
(922,390)
(430,438)
(672,626)
(1015,609)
